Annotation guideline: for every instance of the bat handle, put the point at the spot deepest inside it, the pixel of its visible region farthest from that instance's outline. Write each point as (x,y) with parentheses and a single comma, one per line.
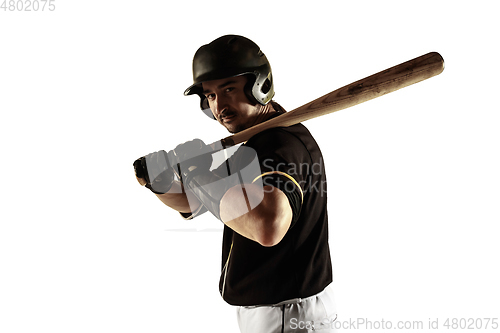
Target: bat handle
(222,144)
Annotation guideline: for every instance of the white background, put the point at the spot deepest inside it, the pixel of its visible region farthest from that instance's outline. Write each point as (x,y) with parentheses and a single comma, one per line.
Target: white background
(88,88)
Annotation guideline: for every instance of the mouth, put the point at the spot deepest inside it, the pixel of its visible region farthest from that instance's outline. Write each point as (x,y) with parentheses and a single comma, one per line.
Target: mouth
(227,118)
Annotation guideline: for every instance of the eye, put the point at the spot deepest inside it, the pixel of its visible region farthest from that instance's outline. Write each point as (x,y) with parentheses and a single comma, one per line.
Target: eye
(210,97)
(229,89)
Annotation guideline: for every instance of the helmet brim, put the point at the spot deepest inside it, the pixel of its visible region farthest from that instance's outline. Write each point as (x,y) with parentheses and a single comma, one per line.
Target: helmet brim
(197,87)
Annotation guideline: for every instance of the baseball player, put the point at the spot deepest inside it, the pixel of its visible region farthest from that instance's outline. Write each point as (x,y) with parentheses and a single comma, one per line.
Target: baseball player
(270,194)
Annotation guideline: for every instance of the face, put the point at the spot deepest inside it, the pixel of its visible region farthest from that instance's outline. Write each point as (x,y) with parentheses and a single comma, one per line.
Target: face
(230,105)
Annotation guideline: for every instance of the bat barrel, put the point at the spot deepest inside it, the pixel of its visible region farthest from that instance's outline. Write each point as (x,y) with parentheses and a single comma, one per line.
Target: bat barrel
(376,85)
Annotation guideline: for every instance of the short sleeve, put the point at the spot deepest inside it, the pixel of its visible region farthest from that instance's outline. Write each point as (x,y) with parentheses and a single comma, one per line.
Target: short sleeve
(284,162)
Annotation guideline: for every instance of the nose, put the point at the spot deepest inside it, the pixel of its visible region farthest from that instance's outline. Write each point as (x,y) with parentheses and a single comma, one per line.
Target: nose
(219,105)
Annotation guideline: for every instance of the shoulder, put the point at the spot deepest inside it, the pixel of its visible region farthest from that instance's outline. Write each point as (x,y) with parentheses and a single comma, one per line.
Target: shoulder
(293,140)
(280,136)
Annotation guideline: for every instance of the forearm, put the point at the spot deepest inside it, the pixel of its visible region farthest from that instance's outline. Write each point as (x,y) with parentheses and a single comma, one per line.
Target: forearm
(266,223)
(180,199)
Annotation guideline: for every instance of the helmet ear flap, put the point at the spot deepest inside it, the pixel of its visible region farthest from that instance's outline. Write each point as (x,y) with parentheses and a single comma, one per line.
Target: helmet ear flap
(263,90)
(259,89)
(267,86)
(249,86)
(205,107)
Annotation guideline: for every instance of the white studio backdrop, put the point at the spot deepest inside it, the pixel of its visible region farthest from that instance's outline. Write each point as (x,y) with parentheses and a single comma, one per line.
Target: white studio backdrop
(87,88)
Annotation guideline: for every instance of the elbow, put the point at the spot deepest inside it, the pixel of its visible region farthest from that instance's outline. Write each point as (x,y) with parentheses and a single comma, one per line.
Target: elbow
(267,223)
(275,219)
(274,230)
(269,241)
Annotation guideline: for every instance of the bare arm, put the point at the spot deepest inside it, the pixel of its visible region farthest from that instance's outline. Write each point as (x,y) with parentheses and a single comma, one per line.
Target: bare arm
(267,223)
(179,199)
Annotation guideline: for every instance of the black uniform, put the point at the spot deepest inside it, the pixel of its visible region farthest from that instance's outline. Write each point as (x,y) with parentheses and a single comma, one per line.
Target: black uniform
(300,265)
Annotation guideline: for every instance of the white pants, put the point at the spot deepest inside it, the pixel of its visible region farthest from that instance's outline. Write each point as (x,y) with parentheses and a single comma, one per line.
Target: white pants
(304,315)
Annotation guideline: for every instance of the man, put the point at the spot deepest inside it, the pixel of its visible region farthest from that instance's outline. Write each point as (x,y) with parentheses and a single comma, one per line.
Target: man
(270,194)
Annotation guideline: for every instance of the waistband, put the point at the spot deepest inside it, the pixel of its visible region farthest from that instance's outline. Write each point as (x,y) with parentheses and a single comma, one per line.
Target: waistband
(292,301)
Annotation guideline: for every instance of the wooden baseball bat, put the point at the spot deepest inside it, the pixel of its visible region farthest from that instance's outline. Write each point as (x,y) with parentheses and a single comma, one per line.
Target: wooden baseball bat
(363,90)
(384,82)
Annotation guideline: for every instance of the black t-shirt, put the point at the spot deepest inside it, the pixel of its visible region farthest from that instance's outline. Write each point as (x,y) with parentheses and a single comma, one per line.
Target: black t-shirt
(300,265)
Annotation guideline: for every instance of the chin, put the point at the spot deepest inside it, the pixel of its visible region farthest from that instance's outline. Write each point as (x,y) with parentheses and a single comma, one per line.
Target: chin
(236,128)
(233,128)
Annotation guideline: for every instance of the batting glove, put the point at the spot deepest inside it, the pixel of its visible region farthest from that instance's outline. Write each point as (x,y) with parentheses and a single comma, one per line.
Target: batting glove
(155,169)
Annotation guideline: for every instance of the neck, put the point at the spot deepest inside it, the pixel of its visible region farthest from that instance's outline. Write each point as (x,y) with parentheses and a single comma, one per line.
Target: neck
(265,112)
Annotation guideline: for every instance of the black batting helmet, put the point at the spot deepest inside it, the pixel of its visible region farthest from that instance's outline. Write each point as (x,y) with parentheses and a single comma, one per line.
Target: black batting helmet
(229,56)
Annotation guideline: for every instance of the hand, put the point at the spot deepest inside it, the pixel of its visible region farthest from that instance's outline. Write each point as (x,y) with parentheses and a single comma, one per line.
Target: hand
(191,162)
(154,171)
(191,158)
